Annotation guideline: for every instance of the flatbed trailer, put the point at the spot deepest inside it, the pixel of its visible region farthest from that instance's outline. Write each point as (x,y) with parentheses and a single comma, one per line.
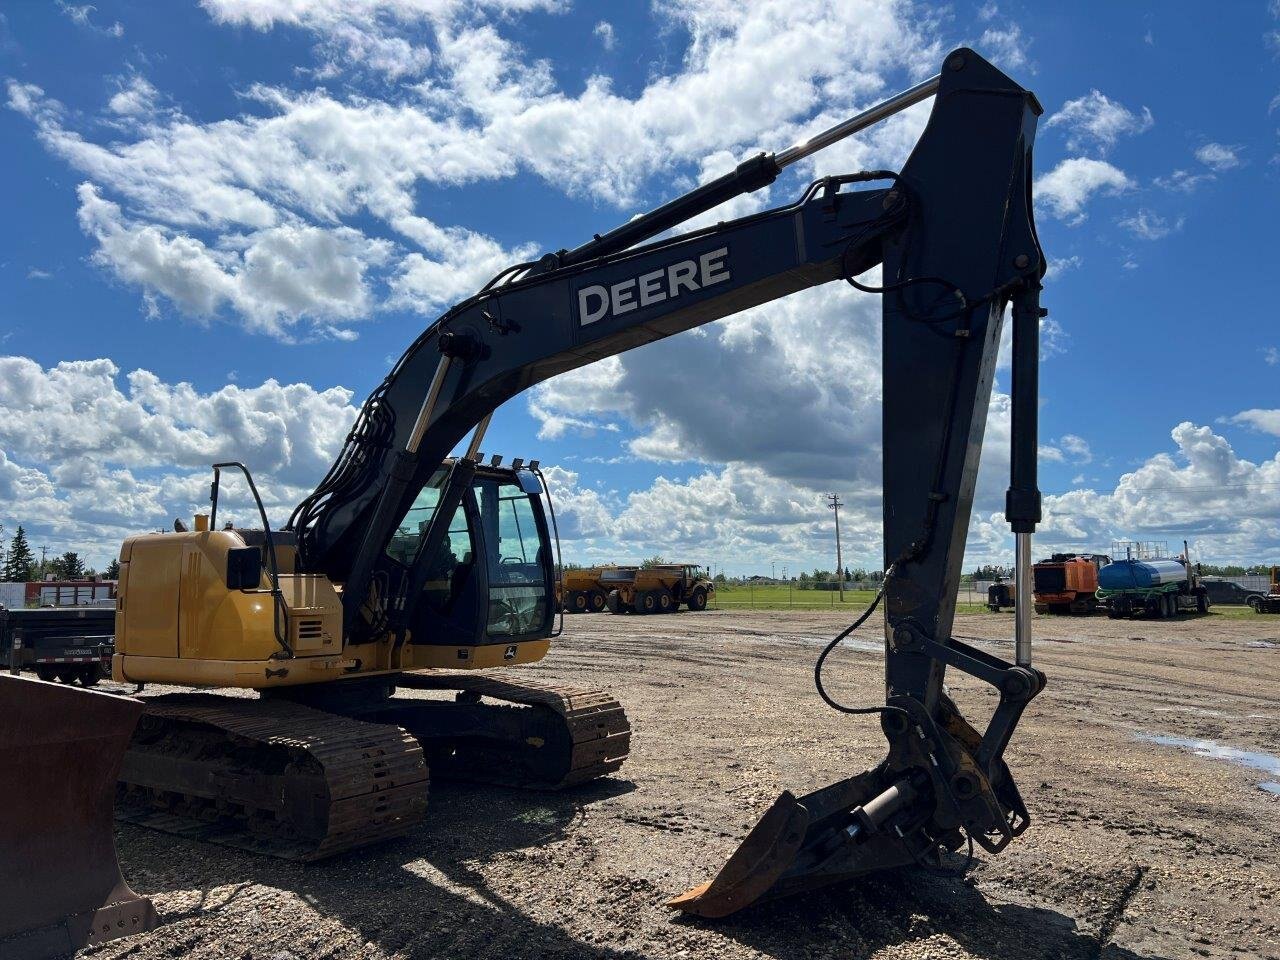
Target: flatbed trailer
(68,644)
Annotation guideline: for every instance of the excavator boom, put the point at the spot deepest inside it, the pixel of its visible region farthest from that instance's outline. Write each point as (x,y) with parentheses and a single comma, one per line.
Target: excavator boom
(954,235)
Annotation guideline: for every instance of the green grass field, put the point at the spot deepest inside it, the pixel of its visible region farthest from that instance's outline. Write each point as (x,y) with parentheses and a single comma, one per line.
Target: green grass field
(777,596)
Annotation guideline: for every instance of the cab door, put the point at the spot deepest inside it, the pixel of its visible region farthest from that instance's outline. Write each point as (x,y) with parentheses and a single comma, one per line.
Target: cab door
(451,606)
(517,549)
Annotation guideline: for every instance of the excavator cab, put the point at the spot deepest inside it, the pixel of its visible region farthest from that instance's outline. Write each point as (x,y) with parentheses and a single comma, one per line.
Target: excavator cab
(487,576)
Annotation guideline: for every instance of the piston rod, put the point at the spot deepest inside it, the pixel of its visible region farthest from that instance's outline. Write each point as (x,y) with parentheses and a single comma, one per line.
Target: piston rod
(873,115)
(1022,603)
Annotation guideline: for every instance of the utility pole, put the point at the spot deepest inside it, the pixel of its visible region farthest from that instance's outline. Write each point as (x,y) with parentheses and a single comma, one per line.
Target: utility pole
(833,501)
(43,552)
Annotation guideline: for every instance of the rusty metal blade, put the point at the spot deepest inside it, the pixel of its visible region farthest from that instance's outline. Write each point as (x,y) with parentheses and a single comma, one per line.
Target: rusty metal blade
(755,866)
(60,884)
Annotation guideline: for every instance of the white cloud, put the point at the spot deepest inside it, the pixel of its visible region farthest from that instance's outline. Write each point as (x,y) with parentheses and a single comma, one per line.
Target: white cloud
(86,459)
(1060,265)
(605,33)
(1266,421)
(1149,225)
(1067,448)
(1182,181)
(136,97)
(1076,447)
(1219,156)
(80,15)
(35,273)
(200,192)
(1069,186)
(274,278)
(833,393)
(1195,493)
(1272,356)
(738,514)
(1095,120)
(377,34)
(1005,47)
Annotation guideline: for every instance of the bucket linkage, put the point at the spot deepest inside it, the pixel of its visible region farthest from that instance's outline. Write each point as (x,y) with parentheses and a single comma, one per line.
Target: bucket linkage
(942,786)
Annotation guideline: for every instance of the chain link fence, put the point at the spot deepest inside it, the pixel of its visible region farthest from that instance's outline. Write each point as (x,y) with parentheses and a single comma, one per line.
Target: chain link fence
(764,593)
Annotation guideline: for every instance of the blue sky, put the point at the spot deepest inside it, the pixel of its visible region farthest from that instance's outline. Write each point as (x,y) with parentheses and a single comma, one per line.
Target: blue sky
(227,218)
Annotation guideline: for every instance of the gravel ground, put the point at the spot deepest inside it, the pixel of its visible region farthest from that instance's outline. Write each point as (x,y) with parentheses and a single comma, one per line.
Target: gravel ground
(1137,849)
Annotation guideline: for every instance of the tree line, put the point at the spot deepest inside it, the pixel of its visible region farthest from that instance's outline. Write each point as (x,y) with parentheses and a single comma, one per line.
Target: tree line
(18,563)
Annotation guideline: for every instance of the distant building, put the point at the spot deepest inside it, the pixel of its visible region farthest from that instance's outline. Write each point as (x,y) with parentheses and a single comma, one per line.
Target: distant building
(56,593)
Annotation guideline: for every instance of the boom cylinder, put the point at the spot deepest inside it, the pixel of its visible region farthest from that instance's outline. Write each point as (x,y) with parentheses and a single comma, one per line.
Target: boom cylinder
(881,111)
(750,175)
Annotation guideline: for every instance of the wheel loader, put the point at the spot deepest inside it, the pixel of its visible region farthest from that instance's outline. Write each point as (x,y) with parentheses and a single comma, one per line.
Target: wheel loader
(416,563)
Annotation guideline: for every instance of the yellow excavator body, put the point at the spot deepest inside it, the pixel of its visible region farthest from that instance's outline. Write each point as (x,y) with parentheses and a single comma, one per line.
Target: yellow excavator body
(177,622)
(327,758)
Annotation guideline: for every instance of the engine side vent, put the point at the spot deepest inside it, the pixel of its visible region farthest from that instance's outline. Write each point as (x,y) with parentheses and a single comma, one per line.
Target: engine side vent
(310,629)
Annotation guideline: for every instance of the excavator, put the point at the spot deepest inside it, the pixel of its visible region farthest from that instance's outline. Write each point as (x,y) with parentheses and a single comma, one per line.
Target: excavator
(417,561)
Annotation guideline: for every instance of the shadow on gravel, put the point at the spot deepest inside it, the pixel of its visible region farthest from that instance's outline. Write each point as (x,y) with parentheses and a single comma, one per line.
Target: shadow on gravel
(416,895)
(857,920)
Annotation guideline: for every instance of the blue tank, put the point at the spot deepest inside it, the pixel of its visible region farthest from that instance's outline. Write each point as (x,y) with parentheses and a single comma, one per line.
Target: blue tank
(1140,574)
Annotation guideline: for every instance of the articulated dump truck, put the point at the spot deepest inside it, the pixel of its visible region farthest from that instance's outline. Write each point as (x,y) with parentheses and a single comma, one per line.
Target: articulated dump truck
(583,590)
(658,589)
(635,589)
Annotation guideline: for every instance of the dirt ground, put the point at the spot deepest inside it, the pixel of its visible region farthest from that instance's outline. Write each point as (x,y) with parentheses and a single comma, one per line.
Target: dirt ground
(1137,849)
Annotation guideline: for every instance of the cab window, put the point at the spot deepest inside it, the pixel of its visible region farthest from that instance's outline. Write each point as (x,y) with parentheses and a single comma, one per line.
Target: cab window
(447,569)
(407,538)
(517,574)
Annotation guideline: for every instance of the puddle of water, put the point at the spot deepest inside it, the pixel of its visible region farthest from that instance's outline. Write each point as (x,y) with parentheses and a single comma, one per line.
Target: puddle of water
(1271,788)
(1269,644)
(852,643)
(1266,762)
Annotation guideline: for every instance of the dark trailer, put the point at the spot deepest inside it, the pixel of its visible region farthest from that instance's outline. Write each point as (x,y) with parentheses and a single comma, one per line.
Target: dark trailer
(70,644)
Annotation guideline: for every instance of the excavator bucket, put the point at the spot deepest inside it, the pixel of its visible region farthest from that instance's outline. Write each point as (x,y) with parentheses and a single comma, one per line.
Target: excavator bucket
(769,849)
(824,837)
(60,885)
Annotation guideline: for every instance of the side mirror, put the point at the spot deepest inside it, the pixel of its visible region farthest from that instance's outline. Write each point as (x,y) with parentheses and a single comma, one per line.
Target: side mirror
(244,568)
